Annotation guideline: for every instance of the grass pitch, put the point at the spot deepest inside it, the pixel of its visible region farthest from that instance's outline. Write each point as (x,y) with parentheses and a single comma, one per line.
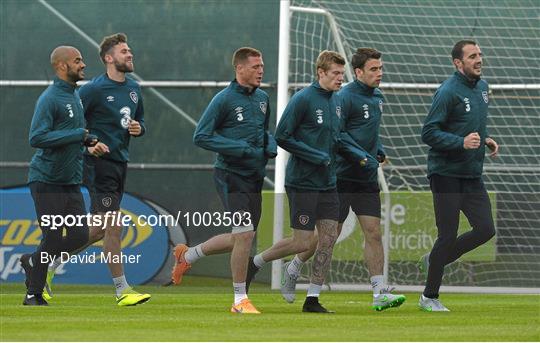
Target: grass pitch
(197,311)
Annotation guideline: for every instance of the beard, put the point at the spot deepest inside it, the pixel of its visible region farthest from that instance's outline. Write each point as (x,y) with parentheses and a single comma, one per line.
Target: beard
(74,75)
(471,75)
(123,67)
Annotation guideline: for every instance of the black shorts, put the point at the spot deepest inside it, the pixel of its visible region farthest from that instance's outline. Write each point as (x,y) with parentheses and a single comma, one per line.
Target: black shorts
(63,200)
(66,203)
(105,181)
(240,194)
(307,206)
(364,198)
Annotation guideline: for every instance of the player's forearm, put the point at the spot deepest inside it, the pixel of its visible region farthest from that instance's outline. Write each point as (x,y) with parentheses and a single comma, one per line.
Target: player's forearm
(53,139)
(221,145)
(380,148)
(303,151)
(441,140)
(349,149)
(270,149)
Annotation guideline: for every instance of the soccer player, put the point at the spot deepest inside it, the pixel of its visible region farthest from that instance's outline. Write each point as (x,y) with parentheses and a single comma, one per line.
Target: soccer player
(455,130)
(113,109)
(358,186)
(310,129)
(58,133)
(235,125)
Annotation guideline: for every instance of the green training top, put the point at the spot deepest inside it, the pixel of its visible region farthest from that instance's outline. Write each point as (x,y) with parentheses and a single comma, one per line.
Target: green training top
(109,106)
(362,112)
(311,130)
(460,107)
(57,131)
(235,125)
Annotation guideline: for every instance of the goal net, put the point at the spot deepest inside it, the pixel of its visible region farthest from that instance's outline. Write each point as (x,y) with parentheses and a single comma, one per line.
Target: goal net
(415,38)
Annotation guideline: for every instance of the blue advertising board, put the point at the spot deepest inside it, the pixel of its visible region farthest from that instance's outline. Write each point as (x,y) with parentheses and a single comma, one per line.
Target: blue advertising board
(145,241)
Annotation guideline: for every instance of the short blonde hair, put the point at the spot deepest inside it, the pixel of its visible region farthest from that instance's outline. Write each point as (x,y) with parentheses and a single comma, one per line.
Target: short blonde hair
(326,58)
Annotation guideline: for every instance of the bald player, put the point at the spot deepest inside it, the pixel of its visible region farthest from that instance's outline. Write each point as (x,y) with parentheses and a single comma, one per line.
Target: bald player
(57,132)
(113,108)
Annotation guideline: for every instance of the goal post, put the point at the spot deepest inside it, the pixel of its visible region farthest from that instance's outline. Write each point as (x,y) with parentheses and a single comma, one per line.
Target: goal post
(286,11)
(415,38)
(282,156)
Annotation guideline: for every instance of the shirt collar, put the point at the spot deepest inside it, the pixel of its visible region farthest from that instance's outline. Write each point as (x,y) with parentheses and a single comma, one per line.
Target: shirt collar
(365,89)
(241,89)
(58,82)
(465,80)
(114,81)
(321,90)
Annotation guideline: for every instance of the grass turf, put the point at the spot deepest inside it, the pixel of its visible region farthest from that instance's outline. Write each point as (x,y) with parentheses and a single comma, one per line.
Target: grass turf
(196,311)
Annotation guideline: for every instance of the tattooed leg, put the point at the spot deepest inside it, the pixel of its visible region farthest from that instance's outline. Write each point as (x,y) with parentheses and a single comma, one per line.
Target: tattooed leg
(327,231)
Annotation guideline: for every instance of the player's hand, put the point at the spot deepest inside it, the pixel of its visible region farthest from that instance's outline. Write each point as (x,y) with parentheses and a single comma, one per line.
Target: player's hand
(134,128)
(493,146)
(472,141)
(254,153)
(90,139)
(99,149)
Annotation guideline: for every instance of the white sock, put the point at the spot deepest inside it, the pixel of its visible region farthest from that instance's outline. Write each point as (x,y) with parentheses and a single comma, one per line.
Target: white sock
(258,260)
(295,266)
(377,283)
(239,292)
(314,290)
(121,284)
(194,253)
(54,264)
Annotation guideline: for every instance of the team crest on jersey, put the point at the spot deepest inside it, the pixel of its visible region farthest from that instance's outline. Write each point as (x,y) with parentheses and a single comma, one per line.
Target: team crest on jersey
(319,114)
(133,96)
(338,111)
(70,110)
(262,106)
(126,117)
(107,201)
(380,105)
(485,96)
(303,219)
